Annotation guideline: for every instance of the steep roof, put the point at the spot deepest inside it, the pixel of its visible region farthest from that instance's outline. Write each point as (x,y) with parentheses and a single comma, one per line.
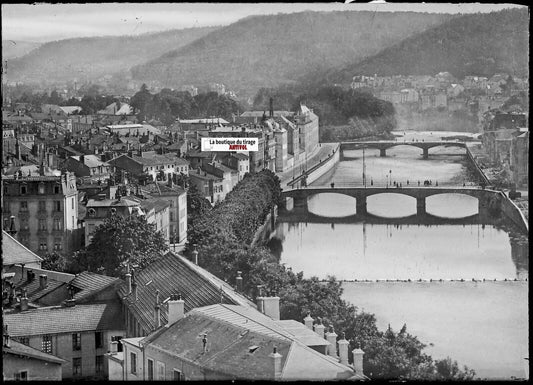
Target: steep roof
(55,320)
(91,161)
(173,274)
(91,283)
(27,351)
(14,252)
(239,341)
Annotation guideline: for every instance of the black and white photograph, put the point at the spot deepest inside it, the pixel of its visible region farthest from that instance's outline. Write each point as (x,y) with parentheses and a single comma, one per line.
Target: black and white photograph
(320,191)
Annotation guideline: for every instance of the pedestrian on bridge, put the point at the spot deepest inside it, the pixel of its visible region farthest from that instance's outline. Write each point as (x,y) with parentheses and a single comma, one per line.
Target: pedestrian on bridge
(371,182)
(407,182)
(436,183)
(418,183)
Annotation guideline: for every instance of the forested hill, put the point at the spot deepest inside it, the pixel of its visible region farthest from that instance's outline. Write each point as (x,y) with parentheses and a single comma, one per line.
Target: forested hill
(265,51)
(476,44)
(94,57)
(16,48)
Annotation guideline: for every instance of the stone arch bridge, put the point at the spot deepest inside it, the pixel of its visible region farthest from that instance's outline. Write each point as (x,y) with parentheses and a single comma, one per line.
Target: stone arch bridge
(383,145)
(488,200)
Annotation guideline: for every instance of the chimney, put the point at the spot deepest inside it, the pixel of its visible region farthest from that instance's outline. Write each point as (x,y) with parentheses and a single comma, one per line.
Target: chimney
(319,329)
(128,282)
(82,159)
(157,314)
(332,339)
(204,343)
(170,181)
(239,281)
(43,281)
(271,107)
(113,347)
(176,309)
(275,358)
(24,301)
(271,307)
(343,349)
(358,360)
(6,338)
(134,289)
(308,321)
(195,255)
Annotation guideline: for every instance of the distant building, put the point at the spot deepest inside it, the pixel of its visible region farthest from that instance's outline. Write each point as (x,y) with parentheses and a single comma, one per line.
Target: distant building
(89,167)
(208,185)
(154,165)
(46,209)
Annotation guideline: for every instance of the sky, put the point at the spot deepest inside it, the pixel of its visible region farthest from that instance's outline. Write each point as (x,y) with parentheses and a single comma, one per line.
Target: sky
(43,22)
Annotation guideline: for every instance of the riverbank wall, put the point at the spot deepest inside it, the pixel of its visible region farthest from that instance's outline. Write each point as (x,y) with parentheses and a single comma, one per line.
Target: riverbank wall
(266,229)
(315,172)
(477,168)
(513,212)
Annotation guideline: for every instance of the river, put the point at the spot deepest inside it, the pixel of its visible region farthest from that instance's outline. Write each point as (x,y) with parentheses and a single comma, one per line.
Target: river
(468,310)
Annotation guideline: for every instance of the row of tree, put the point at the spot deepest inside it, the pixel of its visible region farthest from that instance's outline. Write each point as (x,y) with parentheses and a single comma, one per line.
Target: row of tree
(334,106)
(222,237)
(167,105)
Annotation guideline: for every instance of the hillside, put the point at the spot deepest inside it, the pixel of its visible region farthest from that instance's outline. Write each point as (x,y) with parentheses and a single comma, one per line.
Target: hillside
(477,44)
(265,51)
(16,48)
(94,57)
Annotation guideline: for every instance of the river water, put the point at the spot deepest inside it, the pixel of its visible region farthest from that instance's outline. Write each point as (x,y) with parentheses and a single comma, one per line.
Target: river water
(473,315)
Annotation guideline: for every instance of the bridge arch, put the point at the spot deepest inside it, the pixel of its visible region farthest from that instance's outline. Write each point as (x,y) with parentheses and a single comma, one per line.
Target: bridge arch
(380,205)
(331,205)
(452,205)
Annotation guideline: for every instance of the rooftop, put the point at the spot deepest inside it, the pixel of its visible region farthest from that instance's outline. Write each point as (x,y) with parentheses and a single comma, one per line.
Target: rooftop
(27,351)
(173,274)
(57,320)
(14,252)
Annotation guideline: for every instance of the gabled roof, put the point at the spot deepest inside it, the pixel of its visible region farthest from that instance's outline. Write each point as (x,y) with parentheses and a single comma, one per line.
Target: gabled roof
(14,252)
(56,320)
(27,351)
(239,341)
(173,274)
(91,283)
(91,161)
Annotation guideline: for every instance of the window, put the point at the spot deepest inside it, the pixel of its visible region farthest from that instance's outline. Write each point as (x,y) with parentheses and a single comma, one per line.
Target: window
(42,224)
(42,206)
(178,376)
(57,224)
(172,215)
(23,190)
(98,340)
(56,189)
(24,224)
(76,341)
(91,212)
(160,371)
(150,369)
(133,363)
(41,188)
(76,366)
(99,364)
(46,344)
(58,245)
(21,376)
(57,205)
(43,246)
(72,204)
(23,206)
(24,340)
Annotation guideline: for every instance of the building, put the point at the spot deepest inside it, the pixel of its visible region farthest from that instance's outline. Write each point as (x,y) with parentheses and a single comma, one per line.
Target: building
(519,158)
(155,283)
(154,166)
(209,186)
(78,334)
(307,123)
(232,342)
(88,167)
(156,211)
(176,197)
(24,363)
(46,209)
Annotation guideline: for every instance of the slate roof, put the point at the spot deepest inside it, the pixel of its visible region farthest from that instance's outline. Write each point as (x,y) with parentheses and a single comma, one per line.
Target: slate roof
(174,274)
(228,346)
(57,320)
(239,341)
(91,283)
(27,351)
(14,252)
(155,160)
(91,161)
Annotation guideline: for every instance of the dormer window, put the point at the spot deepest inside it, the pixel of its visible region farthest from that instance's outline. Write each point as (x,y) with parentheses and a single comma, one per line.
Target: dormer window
(23,190)
(91,212)
(41,188)
(56,189)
